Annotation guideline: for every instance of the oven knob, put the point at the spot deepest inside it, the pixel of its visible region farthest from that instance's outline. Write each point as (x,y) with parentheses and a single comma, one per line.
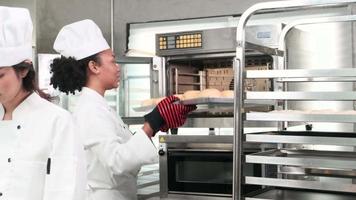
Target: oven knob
(161,152)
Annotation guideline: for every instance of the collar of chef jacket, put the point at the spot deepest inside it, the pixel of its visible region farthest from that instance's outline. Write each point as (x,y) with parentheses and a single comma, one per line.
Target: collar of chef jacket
(24,107)
(93,95)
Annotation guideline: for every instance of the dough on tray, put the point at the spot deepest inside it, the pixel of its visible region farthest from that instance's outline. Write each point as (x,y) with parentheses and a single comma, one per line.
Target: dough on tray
(180,96)
(227,93)
(210,93)
(191,94)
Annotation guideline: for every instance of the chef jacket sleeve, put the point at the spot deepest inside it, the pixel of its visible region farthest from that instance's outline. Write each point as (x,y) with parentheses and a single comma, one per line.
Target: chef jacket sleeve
(119,156)
(66,174)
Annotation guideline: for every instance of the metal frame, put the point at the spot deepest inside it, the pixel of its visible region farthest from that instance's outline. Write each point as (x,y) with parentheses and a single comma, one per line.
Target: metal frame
(239,66)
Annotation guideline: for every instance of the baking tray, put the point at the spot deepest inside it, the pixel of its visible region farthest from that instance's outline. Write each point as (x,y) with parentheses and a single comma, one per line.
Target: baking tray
(305,158)
(203,104)
(288,194)
(303,137)
(209,100)
(219,104)
(144,108)
(327,186)
(301,117)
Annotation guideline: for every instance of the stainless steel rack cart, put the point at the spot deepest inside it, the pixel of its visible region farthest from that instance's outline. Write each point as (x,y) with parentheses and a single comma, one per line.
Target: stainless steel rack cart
(335,164)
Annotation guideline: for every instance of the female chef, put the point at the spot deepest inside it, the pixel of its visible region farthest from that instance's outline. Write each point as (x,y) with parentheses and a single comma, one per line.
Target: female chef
(40,153)
(114,154)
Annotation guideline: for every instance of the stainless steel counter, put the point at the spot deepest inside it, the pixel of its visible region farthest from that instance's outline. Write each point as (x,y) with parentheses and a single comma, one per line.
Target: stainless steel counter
(279,194)
(190,197)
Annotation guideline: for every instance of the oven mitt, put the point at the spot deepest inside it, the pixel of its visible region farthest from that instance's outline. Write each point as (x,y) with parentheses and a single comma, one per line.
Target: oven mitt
(168,114)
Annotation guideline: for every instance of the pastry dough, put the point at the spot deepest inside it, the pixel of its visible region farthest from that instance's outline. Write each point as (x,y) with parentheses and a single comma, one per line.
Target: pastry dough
(191,94)
(210,93)
(227,93)
(180,96)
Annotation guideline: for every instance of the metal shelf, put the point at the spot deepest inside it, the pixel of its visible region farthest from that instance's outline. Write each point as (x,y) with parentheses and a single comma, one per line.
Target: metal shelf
(318,79)
(305,158)
(341,161)
(300,184)
(188,74)
(305,137)
(286,194)
(302,73)
(303,96)
(301,117)
(263,49)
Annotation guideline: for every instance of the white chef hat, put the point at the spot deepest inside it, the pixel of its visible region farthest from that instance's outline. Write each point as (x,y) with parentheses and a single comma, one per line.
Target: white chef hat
(15,36)
(80,40)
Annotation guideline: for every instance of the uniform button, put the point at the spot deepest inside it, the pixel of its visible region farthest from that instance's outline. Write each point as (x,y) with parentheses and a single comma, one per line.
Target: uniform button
(9,160)
(18,127)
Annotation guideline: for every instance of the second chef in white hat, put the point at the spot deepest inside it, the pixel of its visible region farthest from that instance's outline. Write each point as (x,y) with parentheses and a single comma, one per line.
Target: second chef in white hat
(114,154)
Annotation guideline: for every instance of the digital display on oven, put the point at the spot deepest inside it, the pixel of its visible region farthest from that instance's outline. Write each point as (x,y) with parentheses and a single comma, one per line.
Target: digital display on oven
(180,41)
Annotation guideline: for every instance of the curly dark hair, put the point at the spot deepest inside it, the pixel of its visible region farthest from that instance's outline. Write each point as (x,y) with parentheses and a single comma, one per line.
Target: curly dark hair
(29,82)
(69,74)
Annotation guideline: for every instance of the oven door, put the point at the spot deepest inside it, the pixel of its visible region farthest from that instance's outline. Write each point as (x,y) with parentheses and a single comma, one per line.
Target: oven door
(200,172)
(137,72)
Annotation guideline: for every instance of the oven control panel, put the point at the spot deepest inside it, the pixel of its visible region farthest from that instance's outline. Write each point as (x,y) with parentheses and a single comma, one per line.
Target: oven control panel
(179,40)
(195,42)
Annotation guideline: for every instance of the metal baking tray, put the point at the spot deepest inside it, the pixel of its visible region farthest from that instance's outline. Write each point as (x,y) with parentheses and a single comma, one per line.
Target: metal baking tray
(301,117)
(226,101)
(305,158)
(330,186)
(219,104)
(144,108)
(203,104)
(304,137)
(286,194)
(209,100)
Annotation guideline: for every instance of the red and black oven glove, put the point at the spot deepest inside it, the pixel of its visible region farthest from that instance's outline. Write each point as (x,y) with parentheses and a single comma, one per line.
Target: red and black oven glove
(168,114)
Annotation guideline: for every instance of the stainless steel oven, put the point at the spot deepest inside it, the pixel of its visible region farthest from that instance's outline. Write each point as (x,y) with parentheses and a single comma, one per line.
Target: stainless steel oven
(198,165)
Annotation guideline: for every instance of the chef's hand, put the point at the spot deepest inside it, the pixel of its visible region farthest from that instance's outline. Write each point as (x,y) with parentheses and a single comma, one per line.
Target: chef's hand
(168,114)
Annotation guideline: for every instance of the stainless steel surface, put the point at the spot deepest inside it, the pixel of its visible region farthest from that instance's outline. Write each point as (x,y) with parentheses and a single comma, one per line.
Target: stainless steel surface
(321,79)
(280,6)
(112,23)
(264,49)
(206,122)
(285,194)
(193,197)
(221,40)
(239,64)
(299,184)
(305,158)
(303,96)
(212,139)
(282,41)
(296,117)
(307,137)
(302,73)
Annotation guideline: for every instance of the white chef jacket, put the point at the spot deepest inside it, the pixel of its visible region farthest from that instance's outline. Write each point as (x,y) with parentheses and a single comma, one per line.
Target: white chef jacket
(114,154)
(46,158)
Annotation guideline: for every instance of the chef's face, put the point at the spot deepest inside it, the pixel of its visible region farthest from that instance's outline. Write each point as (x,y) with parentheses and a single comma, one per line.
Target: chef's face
(110,70)
(10,84)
